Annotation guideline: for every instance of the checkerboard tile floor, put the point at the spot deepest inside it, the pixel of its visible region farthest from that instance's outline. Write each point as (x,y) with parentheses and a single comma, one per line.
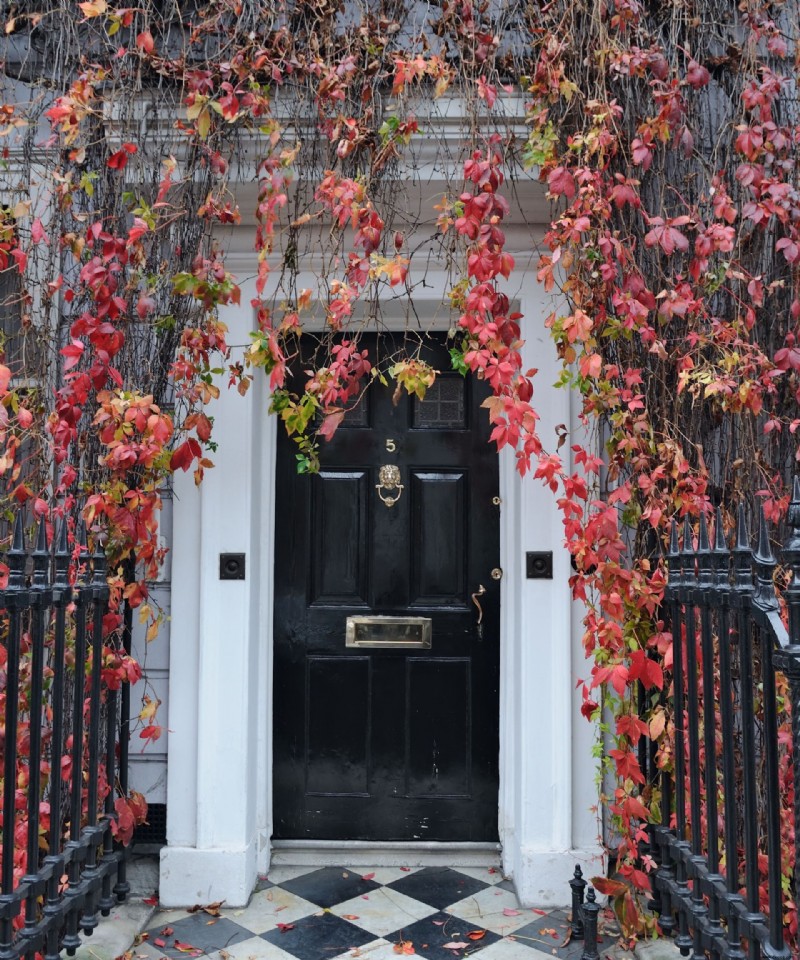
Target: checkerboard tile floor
(385,913)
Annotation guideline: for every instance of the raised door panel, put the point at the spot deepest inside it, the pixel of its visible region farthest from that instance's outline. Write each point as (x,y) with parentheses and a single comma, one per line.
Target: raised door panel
(337,741)
(339,559)
(438,727)
(439,531)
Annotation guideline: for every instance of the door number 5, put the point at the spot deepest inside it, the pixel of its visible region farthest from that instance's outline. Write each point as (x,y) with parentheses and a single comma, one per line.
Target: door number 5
(391,446)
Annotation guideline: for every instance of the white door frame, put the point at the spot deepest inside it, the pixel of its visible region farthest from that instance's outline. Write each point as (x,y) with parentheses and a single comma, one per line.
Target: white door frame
(219,798)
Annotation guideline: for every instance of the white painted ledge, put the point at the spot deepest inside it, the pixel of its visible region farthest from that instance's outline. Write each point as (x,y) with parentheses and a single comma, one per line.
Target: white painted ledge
(189,876)
(541,877)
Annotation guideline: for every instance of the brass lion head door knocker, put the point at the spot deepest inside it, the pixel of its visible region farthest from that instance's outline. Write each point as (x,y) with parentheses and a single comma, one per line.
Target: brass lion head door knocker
(389,477)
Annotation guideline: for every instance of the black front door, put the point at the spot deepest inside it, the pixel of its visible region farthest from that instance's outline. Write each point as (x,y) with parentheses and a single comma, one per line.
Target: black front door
(390,743)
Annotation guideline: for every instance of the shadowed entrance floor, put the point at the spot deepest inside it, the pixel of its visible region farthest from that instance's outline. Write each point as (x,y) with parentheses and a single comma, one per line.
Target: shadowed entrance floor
(381,913)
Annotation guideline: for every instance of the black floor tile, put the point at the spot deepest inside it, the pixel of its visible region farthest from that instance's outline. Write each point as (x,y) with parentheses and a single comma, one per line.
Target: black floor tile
(438,886)
(428,937)
(329,886)
(319,937)
(549,933)
(198,930)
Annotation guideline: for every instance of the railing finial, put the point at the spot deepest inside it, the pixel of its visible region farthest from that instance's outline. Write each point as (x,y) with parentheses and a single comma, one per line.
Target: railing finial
(687,551)
(764,559)
(719,554)
(720,541)
(673,555)
(62,553)
(704,570)
(98,561)
(742,552)
(17,554)
(41,554)
(763,554)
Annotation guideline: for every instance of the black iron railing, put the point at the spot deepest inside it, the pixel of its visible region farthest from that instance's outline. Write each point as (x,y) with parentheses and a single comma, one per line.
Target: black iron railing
(60,737)
(722,888)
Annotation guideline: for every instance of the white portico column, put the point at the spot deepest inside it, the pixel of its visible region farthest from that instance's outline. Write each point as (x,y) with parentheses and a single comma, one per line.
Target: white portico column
(546,765)
(217,831)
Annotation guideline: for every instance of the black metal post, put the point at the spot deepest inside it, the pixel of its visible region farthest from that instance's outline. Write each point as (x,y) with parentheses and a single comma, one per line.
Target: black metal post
(677,574)
(39,601)
(15,601)
(721,563)
(62,595)
(591,909)
(766,601)
(743,593)
(578,885)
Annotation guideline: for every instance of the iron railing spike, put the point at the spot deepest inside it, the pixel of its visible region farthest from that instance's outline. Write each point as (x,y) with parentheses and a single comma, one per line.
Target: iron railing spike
(62,553)
(18,540)
(703,545)
(62,539)
(720,541)
(17,555)
(742,533)
(41,535)
(764,552)
(99,563)
(688,539)
(674,546)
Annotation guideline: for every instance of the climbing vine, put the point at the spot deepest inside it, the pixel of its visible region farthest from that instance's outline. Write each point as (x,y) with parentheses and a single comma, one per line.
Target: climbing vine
(665,136)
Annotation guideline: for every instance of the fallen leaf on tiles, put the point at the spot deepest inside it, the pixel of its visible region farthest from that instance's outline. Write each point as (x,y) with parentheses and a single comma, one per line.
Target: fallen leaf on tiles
(510,912)
(212,909)
(567,938)
(404,946)
(542,913)
(284,927)
(210,923)
(368,876)
(364,896)
(455,945)
(224,955)
(349,916)
(405,869)
(549,932)
(167,932)
(476,934)
(159,942)
(345,876)
(492,870)
(140,937)
(187,948)
(150,901)
(278,909)
(439,923)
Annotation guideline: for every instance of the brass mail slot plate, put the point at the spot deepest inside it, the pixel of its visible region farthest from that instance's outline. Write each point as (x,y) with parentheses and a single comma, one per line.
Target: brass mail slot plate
(395,632)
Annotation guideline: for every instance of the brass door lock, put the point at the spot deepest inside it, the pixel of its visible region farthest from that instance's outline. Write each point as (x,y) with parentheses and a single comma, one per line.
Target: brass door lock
(497,574)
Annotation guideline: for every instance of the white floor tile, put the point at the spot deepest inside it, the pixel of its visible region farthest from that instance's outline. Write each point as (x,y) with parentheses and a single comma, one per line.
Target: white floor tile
(485,910)
(383,874)
(268,908)
(280,873)
(254,949)
(375,950)
(514,950)
(383,911)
